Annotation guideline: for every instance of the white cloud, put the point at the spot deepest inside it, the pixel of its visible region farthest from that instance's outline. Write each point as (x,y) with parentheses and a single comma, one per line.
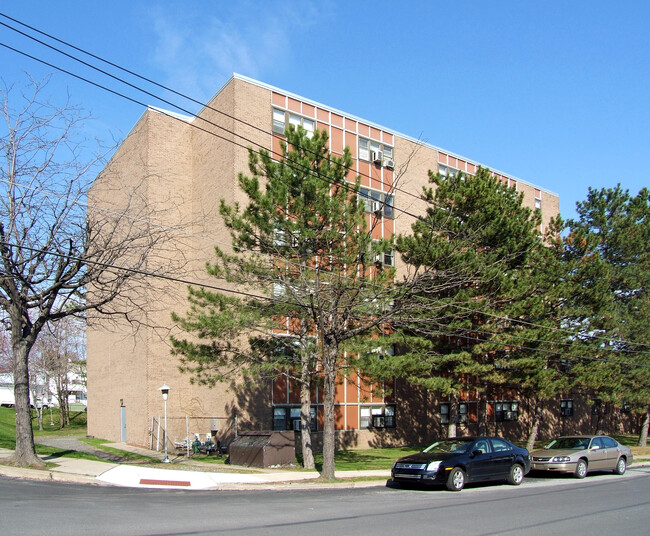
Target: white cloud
(199,47)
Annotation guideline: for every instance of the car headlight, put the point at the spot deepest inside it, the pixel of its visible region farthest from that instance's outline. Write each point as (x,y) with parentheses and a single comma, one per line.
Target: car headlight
(433,466)
(561,459)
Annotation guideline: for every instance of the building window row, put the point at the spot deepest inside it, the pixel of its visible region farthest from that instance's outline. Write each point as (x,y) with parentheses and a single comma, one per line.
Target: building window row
(282,118)
(378,153)
(288,418)
(377,417)
(378,203)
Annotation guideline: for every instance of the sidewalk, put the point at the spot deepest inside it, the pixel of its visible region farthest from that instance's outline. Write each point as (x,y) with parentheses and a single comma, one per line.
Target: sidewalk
(183,474)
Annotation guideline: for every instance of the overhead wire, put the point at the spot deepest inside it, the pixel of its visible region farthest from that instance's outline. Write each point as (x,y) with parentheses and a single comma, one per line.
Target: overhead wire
(210,132)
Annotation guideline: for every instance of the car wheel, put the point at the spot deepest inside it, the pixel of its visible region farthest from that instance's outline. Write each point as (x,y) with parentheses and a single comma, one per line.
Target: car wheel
(516,475)
(456,479)
(621,466)
(581,469)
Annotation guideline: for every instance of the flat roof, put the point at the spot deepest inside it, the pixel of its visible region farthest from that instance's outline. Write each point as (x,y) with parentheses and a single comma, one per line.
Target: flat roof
(381,127)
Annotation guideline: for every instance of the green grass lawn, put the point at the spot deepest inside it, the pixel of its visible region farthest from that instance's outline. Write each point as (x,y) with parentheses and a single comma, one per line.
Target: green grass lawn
(347,460)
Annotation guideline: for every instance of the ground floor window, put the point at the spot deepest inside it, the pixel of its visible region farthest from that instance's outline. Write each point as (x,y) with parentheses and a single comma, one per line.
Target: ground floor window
(288,418)
(566,407)
(377,417)
(445,408)
(506,410)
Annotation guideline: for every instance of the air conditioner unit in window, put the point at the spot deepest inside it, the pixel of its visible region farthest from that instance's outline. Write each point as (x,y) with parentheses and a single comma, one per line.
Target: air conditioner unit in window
(376,156)
(375,206)
(379,258)
(389,163)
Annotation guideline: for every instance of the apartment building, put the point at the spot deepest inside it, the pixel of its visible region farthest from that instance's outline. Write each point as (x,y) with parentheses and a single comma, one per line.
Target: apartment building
(186,165)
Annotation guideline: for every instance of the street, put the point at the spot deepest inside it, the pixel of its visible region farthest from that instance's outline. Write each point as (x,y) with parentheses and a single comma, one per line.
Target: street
(599,504)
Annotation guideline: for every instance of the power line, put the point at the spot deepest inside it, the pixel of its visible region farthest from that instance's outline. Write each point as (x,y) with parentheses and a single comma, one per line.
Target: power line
(117,93)
(184,110)
(569,357)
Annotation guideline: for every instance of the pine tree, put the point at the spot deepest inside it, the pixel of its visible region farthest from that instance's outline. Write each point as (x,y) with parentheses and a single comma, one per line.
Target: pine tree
(471,254)
(610,246)
(304,253)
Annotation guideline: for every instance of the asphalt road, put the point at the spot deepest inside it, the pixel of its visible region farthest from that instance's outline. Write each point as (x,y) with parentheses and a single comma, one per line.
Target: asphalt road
(599,504)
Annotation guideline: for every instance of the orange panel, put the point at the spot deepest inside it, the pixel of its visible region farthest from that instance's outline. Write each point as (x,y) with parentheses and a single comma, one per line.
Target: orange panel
(461,164)
(339,417)
(513,184)
(364,130)
(323,126)
(320,416)
(388,227)
(442,158)
(294,392)
(278,100)
(352,413)
(390,397)
(280,390)
(336,142)
(308,110)
(350,124)
(388,138)
(295,105)
(388,179)
(323,115)
(351,142)
(375,174)
(339,392)
(277,149)
(452,161)
(375,133)
(471,168)
(351,388)
(336,120)
(364,171)
(351,176)
(472,413)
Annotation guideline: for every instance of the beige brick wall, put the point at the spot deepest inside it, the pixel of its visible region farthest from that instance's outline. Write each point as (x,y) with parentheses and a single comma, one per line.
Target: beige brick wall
(187,171)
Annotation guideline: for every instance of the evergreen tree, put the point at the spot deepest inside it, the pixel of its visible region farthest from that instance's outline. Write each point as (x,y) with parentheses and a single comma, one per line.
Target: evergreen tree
(472,255)
(304,253)
(610,244)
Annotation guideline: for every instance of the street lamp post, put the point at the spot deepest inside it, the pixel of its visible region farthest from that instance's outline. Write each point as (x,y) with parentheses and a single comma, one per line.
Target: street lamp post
(165,393)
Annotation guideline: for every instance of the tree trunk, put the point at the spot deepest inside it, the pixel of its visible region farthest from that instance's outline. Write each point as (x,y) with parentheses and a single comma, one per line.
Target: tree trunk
(25,453)
(329,438)
(537,420)
(643,437)
(453,416)
(305,422)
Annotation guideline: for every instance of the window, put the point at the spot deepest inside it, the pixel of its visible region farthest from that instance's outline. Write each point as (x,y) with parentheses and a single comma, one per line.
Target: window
(566,408)
(608,442)
(376,152)
(377,417)
(598,407)
(444,413)
(446,171)
(499,445)
(506,411)
(281,118)
(377,202)
(288,418)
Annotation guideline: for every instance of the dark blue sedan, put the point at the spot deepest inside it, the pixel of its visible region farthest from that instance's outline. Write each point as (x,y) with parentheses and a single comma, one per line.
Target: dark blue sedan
(457,461)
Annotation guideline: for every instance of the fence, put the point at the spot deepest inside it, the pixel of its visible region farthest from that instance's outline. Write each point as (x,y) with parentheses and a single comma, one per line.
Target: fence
(203,427)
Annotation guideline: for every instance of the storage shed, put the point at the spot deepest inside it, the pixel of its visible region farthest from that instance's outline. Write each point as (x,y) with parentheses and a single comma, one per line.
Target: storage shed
(263,449)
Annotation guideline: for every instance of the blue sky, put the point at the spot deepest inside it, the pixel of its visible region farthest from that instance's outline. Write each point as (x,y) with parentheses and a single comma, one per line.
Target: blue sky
(556,93)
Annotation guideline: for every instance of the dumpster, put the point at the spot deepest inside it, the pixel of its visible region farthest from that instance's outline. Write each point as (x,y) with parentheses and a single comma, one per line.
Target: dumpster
(263,449)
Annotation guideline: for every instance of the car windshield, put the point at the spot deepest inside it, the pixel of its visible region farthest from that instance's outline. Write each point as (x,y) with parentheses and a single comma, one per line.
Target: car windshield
(450,446)
(575,443)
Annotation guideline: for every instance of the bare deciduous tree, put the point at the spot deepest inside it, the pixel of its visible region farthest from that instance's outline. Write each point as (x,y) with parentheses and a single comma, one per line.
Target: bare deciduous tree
(53,250)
